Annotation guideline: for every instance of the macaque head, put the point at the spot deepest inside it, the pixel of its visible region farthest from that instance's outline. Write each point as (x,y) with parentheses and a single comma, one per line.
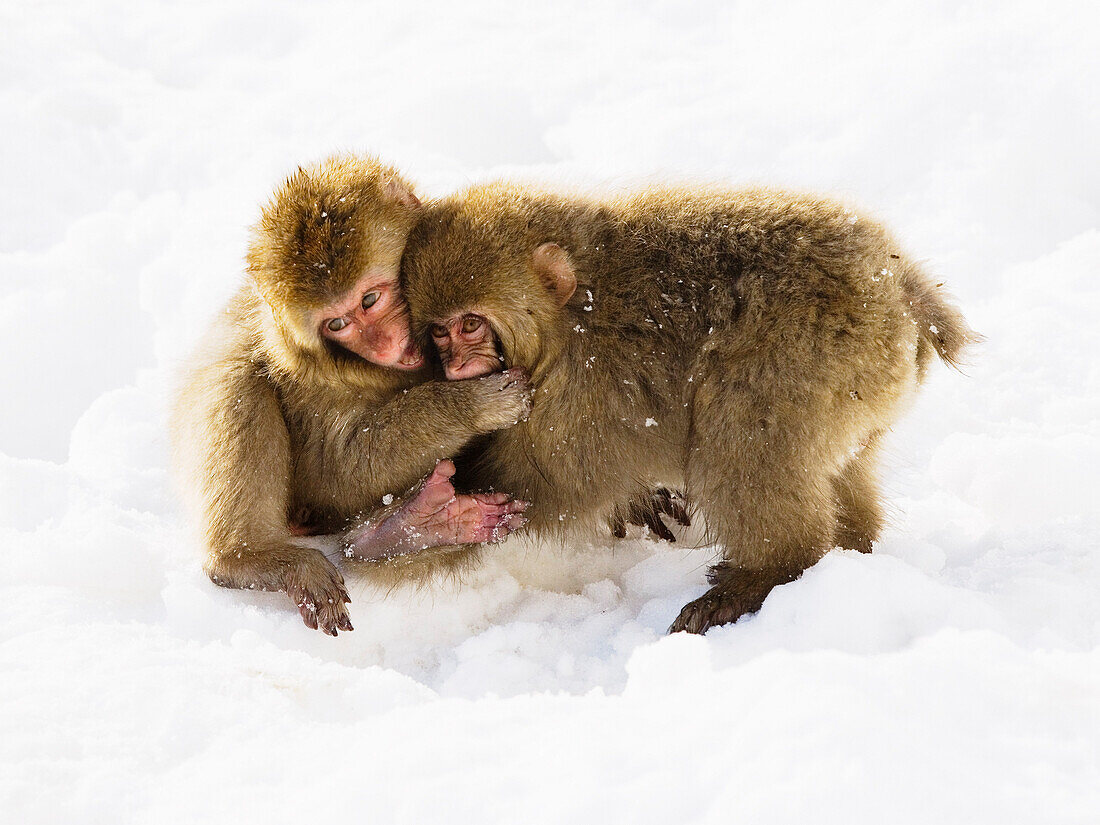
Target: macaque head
(371,320)
(325,258)
(482,308)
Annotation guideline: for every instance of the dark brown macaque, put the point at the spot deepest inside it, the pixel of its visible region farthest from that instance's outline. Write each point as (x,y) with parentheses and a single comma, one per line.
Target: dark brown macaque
(750,347)
(310,409)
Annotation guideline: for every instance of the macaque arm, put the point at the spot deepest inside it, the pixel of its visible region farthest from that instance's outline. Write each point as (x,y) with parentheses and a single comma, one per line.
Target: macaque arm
(403,440)
(232,423)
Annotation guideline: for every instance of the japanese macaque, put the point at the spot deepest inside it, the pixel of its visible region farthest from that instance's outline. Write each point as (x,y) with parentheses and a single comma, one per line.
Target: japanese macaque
(309,410)
(750,346)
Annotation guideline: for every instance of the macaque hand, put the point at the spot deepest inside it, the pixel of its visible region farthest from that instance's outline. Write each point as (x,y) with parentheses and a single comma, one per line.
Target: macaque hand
(503,399)
(435,516)
(318,590)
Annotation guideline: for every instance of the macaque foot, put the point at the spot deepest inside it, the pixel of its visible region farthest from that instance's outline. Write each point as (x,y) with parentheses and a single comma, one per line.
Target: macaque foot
(736,591)
(646,511)
(435,516)
(318,590)
(438,516)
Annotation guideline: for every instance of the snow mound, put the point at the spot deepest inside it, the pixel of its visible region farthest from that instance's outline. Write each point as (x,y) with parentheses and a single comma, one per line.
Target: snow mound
(953,675)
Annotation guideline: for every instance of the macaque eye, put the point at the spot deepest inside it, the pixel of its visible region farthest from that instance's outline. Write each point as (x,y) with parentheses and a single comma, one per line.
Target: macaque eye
(471,323)
(438,331)
(336,324)
(369,299)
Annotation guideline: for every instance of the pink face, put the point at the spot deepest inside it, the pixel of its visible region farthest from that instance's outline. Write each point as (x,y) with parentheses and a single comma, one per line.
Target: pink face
(372,321)
(467,346)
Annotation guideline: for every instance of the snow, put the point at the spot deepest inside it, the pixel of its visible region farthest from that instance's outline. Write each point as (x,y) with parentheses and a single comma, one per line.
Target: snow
(953,675)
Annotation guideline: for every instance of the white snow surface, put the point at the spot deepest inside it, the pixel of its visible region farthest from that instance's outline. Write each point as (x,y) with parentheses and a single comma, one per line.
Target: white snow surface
(951,676)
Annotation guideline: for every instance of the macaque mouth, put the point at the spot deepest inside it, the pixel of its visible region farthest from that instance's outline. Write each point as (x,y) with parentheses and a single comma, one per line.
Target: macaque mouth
(475,365)
(412,357)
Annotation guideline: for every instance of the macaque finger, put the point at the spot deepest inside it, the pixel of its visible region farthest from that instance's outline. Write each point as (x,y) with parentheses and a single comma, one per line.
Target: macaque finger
(491,520)
(513,376)
(617,524)
(499,531)
(309,614)
(508,525)
(491,515)
(503,509)
(672,504)
(443,469)
(436,490)
(491,498)
(654,523)
(332,616)
(680,513)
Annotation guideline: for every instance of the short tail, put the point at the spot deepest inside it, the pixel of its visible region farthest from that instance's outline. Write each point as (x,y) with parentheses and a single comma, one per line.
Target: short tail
(940,324)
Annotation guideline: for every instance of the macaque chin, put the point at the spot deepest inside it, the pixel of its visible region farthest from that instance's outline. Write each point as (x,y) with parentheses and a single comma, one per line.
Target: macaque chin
(372,320)
(467,346)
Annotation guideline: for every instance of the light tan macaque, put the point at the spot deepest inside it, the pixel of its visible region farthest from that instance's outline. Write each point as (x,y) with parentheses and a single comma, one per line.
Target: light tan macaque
(752,346)
(309,409)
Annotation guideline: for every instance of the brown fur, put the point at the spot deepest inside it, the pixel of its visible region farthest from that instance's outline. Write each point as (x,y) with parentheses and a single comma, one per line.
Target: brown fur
(751,345)
(273,420)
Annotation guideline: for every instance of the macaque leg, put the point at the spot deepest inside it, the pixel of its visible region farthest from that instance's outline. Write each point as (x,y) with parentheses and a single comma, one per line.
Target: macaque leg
(431,516)
(758,467)
(859,512)
(234,418)
(646,511)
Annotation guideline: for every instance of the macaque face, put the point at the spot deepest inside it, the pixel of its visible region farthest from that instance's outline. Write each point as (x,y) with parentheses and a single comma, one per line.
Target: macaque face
(467,346)
(372,321)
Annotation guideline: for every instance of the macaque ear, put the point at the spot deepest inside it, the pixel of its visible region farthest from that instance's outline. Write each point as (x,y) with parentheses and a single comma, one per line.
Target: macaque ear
(403,196)
(553,266)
